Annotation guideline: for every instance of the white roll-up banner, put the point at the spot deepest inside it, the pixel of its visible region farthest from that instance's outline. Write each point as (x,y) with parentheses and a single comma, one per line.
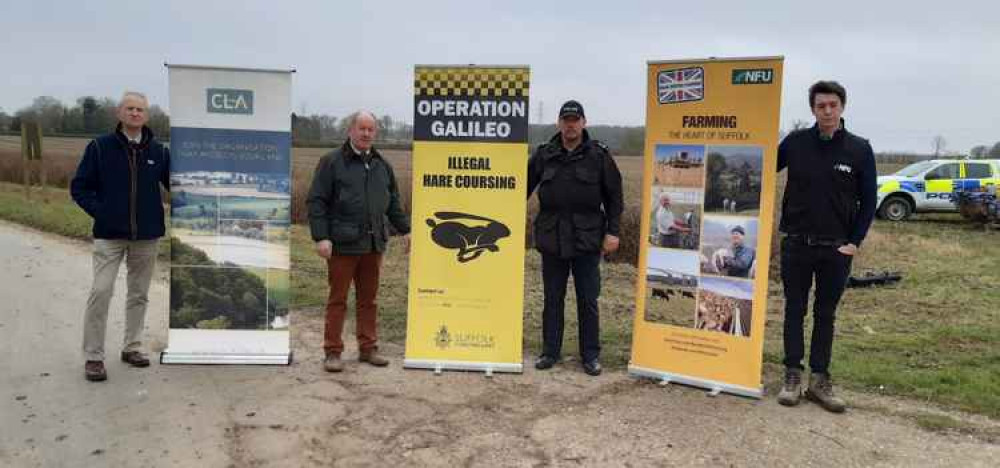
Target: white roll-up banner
(230,183)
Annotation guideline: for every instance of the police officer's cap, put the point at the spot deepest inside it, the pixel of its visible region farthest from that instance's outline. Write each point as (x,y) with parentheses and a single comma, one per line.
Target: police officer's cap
(738,229)
(571,108)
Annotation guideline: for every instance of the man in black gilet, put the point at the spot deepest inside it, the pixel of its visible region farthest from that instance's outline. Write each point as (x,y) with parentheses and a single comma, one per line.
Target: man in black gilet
(828,207)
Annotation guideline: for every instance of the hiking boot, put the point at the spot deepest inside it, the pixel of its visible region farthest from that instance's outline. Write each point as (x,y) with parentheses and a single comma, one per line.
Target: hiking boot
(372,357)
(791,391)
(332,363)
(135,358)
(545,362)
(94,371)
(821,391)
(592,367)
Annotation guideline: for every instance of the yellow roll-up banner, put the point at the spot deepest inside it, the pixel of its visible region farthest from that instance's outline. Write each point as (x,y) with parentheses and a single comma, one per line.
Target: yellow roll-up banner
(470,152)
(708,203)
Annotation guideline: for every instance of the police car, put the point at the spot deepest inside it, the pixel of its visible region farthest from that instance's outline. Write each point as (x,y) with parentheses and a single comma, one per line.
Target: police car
(927,186)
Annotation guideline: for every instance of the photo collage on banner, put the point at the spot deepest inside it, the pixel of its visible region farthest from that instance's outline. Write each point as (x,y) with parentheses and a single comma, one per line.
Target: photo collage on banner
(230,241)
(703,233)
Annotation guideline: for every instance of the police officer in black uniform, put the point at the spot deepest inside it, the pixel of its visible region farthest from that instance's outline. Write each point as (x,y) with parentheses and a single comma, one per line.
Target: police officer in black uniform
(828,207)
(580,195)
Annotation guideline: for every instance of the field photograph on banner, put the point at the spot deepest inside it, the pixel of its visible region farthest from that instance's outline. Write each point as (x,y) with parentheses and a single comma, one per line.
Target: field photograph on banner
(466,277)
(230,215)
(708,195)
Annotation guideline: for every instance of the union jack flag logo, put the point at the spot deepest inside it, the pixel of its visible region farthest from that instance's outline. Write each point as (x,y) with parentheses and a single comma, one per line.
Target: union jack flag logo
(681,85)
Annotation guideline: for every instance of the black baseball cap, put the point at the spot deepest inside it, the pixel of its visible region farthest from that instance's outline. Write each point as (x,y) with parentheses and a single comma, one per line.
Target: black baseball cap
(739,229)
(571,108)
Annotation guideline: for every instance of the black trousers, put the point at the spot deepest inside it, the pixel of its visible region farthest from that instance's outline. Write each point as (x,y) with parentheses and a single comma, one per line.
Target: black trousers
(800,263)
(587,278)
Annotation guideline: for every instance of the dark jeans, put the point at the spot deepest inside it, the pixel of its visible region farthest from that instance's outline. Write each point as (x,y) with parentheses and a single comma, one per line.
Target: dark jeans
(587,278)
(799,264)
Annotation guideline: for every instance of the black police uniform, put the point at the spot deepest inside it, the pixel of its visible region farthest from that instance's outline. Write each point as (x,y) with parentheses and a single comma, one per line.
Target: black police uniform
(829,202)
(580,195)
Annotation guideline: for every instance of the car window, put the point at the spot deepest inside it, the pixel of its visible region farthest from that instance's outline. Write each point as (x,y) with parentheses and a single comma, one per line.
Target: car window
(977,171)
(944,171)
(914,169)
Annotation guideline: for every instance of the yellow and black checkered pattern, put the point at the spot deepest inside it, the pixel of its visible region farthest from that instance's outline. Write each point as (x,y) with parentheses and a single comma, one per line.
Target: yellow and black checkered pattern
(471,81)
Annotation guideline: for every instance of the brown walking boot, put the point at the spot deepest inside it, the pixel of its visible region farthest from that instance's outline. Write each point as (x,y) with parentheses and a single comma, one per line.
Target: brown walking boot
(821,391)
(372,357)
(94,371)
(135,358)
(791,390)
(332,363)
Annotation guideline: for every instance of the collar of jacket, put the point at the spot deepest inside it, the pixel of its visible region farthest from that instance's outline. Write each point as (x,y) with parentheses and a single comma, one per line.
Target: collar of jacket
(556,147)
(837,135)
(147,136)
(349,152)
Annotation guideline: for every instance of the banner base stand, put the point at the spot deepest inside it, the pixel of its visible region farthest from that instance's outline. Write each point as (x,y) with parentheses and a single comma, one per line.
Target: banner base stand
(714,388)
(487,367)
(167,357)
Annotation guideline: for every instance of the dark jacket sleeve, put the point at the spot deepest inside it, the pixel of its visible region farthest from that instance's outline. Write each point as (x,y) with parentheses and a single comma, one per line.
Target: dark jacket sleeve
(534,170)
(782,154)
(395,212)
(611,193)
(85,184)
(165,176)
(868,196)
(319,200)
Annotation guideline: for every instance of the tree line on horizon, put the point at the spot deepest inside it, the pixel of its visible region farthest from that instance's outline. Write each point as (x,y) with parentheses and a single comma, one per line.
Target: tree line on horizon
(90,115)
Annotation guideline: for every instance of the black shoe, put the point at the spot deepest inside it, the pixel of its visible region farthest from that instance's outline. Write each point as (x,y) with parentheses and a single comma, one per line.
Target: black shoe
(545,362)
(592,367)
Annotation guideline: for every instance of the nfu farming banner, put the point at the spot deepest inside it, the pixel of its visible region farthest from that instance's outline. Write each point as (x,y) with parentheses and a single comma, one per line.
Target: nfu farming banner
(470,155)
(229,219)
(708,203)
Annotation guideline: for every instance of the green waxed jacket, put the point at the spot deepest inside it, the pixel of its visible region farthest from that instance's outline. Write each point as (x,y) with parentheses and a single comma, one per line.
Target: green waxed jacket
(351,198)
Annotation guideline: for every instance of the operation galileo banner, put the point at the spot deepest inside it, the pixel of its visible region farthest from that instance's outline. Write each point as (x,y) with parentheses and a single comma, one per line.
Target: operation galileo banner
(230,143)
(708,204)
(470,156)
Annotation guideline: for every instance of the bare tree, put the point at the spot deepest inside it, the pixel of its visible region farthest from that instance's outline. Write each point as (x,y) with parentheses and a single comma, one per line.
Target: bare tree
(938,143)
(979,152)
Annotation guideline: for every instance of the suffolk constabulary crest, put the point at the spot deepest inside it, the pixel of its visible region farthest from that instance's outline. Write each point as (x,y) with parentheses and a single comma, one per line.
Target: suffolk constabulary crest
(443,338)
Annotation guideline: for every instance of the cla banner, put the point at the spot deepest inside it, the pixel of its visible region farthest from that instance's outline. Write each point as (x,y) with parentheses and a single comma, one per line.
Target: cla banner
(470,156)
(230,204)
(708,195)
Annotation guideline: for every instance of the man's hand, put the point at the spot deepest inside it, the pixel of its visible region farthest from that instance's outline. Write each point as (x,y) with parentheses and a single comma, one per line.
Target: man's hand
(324,248)
(610,244)
(406,242)
(848,249)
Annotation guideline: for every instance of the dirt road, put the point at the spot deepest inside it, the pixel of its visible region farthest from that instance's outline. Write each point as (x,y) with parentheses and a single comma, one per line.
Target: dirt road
(193,416)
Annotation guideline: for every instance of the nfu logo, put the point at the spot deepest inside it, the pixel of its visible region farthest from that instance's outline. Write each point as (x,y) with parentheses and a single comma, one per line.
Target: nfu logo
(753,76)
(229,101)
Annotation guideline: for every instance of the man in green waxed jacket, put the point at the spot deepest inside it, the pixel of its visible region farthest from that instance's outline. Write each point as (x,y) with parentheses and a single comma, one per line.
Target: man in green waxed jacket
(352,197)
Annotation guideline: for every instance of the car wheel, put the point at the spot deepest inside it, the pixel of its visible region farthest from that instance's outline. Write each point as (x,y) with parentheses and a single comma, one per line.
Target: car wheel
(896,209)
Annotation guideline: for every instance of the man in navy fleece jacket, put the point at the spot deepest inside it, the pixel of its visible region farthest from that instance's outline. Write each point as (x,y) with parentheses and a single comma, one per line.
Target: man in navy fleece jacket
(118,184)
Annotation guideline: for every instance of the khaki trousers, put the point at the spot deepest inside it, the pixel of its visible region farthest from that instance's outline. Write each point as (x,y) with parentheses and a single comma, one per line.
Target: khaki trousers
(140,260)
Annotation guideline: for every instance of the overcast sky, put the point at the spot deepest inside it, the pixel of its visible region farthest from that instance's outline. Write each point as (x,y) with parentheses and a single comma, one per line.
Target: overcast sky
(912,71)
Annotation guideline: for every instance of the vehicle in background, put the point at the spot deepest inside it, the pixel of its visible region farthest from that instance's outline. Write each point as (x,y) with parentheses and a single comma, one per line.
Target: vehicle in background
(929,186)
